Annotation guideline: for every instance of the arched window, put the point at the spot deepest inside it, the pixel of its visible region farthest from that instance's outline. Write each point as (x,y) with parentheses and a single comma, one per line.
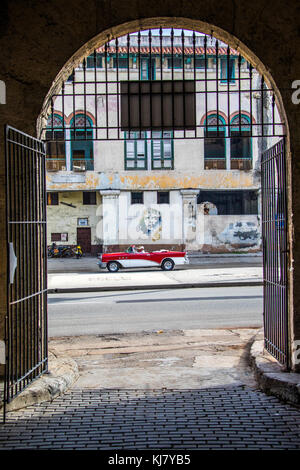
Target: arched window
(240,143)
(55,143)
(214,143)
(82,147)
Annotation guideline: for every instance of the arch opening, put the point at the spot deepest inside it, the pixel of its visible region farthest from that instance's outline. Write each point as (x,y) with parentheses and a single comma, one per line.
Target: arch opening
(158,90)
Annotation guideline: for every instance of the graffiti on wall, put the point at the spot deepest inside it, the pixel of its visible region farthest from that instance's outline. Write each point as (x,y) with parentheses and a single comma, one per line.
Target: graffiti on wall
(150,223)
(241,232)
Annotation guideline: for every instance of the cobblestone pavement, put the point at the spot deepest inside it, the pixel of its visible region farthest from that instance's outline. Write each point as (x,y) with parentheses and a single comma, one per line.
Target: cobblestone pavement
(232,417)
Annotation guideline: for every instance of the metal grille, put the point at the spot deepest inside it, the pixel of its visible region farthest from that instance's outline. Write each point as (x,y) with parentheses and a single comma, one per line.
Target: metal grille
(26,320)
(222,80)
(275,249)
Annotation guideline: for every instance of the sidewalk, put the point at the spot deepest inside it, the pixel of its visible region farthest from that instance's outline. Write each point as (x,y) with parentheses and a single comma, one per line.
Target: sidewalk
(148,279)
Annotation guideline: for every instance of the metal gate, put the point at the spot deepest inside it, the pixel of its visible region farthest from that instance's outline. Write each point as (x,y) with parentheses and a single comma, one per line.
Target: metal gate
(275,249)
(26,318)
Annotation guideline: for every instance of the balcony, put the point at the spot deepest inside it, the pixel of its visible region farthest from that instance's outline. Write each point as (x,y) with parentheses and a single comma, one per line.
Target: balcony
(85,164)
(56,164)
(241,164)
(215,164)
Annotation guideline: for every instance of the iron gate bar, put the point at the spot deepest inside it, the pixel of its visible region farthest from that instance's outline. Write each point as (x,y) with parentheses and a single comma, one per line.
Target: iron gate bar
(26,318)
(275,250)
(108,48)
(217,87)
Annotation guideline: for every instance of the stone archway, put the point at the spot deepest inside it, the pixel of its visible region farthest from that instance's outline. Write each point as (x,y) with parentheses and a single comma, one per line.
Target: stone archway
(131,27)
(27,87)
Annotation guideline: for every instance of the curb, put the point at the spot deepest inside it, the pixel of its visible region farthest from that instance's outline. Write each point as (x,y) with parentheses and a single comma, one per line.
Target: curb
(65,290)
(63,372)
(272,379)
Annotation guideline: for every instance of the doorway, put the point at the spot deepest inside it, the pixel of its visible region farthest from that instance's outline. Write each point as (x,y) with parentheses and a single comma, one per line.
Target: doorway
(84,239)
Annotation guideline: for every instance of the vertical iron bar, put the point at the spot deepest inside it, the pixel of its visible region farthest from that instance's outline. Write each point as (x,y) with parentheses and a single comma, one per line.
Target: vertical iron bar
(172,75)
(183,78)
(45,270)
(128,80)
(140,76)
(161,76)
(151,77)
(96,93)
(106,90)
(217,85)
(63,110)
(228,90)
(240,93)
(74,112)
(273,113)
(118,86)
(205,78)
(84,97)
(262,105)
(251,97)
(195,80)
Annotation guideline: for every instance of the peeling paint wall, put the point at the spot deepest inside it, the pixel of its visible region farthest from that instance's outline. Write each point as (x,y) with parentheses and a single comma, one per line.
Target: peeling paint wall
(232,233)
(64,218)
(210,179)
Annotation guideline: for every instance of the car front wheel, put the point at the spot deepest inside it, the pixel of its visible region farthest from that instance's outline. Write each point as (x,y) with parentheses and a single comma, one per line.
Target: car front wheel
(113,266)
(167,265)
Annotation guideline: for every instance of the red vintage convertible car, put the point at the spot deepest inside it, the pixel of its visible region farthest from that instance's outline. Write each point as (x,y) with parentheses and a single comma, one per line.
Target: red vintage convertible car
(133,258)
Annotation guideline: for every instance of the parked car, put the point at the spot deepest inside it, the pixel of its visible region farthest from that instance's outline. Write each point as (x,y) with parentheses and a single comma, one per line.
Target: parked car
(133,258)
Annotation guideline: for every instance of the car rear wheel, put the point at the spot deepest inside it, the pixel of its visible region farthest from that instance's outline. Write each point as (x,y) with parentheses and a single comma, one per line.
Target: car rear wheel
(113,266)
(167,265)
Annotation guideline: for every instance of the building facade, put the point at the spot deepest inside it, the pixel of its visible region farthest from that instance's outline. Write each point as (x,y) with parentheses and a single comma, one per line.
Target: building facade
(195,189)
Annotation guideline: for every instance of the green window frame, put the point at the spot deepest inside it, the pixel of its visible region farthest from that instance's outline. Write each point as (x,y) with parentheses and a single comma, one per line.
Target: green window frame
(177,62)
(227,75)
(200,62)
(90,63)
(240,138)
(55,138)
(121,62)
(82,145)
(145,68)
(135,151)
(215,139)
(162,150)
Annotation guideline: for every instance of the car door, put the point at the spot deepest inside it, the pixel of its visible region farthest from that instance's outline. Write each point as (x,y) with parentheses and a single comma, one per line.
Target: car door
(141,260)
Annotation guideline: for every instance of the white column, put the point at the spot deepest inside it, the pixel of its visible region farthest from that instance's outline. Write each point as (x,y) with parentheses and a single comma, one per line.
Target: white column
(189,216)
(110,211)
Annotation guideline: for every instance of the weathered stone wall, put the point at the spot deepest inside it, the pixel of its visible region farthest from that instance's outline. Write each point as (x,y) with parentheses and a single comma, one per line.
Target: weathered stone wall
(38,38)
(63,218)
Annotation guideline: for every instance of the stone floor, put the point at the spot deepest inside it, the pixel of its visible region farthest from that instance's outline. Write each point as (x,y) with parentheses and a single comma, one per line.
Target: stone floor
(190,389)
(232,417)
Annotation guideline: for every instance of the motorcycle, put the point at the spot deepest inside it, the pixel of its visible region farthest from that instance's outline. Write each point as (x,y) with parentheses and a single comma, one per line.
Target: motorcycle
(78,251)
(62,251)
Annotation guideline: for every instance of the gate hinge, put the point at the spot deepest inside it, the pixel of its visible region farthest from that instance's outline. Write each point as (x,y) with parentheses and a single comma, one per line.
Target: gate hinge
(13,262)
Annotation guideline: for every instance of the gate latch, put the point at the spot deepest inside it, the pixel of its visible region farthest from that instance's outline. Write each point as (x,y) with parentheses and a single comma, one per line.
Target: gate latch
(13,262)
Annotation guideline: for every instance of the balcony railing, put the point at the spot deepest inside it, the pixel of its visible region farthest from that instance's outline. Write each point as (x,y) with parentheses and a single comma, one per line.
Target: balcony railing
(56,164)
(85,164)
(215,164)
(241,164)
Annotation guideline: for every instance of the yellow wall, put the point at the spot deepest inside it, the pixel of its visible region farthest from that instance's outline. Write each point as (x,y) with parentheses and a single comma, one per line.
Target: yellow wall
(63,219)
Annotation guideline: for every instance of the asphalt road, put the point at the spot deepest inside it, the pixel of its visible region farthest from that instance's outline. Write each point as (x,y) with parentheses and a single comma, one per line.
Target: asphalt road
(88,264)
(152,310)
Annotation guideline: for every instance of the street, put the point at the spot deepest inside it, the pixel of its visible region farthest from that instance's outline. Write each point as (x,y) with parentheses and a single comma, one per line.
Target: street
(151,310)
(88,264)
